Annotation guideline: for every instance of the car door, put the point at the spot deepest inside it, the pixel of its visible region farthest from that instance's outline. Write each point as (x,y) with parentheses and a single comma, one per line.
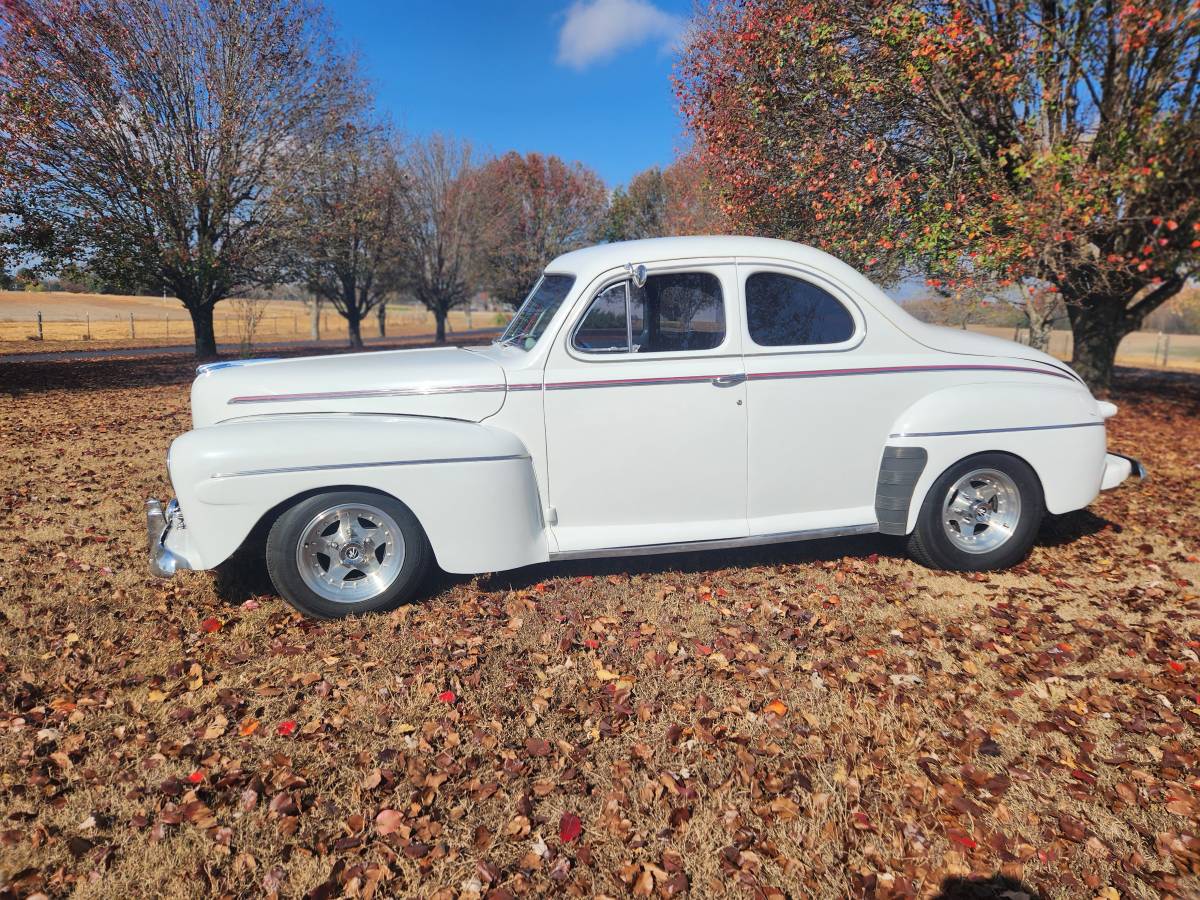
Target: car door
(815,429)
(645,412)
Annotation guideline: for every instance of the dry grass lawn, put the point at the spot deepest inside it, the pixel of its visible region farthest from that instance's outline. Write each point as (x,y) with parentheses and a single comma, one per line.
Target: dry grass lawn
(813,720)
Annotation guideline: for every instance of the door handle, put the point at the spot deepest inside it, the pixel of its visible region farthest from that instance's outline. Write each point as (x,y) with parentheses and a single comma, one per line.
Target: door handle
(728,380)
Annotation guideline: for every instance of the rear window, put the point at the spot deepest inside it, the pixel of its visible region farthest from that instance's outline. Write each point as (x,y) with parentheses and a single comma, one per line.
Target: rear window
(783,311)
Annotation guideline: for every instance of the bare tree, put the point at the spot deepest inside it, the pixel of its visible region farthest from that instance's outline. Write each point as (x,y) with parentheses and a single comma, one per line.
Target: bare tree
(248,313)
(351,203)
(440,233)
(158,139)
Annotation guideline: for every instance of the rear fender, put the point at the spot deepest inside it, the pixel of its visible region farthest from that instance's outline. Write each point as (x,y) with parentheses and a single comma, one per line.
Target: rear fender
(1057,429)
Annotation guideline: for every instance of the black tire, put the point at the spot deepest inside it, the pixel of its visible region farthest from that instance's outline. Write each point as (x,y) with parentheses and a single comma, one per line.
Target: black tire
(931,546)
(289,528)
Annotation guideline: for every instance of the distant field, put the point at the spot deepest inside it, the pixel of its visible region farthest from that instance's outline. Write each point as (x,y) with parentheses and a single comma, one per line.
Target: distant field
(1138,349)
(103,321)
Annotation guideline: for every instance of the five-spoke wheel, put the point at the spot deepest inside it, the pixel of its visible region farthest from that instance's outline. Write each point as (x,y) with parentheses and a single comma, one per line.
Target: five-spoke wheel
(982,513)
(344,552)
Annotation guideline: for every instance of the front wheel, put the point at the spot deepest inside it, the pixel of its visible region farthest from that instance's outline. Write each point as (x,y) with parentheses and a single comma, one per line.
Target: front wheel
(983,513)
(345,552)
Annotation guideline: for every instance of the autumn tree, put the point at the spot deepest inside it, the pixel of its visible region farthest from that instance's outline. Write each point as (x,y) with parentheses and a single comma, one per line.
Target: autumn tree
(157,140)
(441,226)
(1054,141)
(349,251)
(535,207)
(680,199)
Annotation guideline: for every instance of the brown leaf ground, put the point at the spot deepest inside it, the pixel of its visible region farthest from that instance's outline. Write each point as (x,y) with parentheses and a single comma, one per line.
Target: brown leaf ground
(813,720)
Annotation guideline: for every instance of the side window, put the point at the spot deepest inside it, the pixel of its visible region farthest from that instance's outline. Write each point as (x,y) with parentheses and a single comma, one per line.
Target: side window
(673,312)
(604,328)
(782,311)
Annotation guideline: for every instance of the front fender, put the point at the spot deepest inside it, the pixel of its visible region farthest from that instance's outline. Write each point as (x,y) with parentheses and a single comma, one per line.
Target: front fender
(471,486)
(1057,429)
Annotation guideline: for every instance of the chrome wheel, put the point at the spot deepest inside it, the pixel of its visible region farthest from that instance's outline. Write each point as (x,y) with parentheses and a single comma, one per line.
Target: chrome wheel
(350,553)
(981,511)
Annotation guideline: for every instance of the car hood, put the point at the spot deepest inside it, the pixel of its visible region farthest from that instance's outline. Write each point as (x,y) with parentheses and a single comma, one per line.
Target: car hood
(442,382)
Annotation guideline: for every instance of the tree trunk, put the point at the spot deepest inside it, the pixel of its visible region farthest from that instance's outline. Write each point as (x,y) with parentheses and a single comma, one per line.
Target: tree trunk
(1097,326)
(381,312)
(315,331)
(353,329)
(440,316)
(202,326)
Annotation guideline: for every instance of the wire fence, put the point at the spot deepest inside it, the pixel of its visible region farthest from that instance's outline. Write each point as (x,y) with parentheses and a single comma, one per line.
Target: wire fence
(176,327)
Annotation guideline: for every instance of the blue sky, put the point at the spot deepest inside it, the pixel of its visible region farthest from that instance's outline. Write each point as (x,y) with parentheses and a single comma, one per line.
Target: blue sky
(588,80)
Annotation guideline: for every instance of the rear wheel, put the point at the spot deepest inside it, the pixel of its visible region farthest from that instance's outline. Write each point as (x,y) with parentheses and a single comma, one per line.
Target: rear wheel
(346,552)
(983,513)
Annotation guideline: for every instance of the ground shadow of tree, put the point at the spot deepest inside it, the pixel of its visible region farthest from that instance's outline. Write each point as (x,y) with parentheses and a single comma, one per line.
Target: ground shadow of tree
(997,887)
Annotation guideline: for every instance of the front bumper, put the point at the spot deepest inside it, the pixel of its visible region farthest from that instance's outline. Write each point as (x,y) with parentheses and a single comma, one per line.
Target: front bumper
(159,523)
(1118,467)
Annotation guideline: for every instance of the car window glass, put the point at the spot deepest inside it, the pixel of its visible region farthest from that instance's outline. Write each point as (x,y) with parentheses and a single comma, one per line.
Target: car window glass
(669,313)
(603,328)
(782,311)
(682,311)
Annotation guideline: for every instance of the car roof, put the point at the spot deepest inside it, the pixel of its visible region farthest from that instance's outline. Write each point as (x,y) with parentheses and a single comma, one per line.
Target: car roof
(601,257)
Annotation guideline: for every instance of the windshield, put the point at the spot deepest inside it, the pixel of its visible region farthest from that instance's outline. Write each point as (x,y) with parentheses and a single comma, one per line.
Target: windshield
(536,312)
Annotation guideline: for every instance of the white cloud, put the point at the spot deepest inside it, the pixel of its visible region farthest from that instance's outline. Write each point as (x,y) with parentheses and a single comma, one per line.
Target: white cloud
(596,30)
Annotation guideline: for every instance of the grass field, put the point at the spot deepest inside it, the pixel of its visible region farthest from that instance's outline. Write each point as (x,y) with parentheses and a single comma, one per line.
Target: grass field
(1142,348)
(816,720)
(158,322)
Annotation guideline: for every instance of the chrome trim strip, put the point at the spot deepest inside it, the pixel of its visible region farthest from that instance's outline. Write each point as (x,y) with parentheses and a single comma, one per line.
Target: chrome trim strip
(921,434)
(633,382)
(754,540)
(368,394)
(284,470)
(900,370)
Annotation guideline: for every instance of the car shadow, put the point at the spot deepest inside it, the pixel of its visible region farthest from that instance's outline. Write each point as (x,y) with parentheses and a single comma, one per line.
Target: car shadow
(997,887)
(244,575)
(696,561)
(1058,531)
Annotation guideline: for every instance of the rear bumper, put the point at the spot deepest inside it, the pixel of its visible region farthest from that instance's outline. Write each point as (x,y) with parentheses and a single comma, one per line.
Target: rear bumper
(1118,467)
(159,522)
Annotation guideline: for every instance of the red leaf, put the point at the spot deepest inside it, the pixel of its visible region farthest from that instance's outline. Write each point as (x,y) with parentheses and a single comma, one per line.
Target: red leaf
(569,827)
(211,624)
(287,727)
(1176,666)
(964,839)
(447,696)
(196,777)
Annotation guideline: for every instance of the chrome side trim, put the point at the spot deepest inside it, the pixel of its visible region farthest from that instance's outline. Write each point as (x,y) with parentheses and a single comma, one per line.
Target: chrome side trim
(369,394)
(284,470)
(754,540)
(920,434)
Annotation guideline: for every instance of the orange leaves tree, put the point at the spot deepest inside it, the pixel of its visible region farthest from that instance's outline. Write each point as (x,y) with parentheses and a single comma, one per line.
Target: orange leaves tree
(157,140)
(664,202)
(1052,142)
(535,207)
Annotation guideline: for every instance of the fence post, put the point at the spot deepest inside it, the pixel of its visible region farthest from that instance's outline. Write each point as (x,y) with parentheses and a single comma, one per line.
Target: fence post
(1166,351)
(88,332)
(167,319)
(131,333)
(39,324)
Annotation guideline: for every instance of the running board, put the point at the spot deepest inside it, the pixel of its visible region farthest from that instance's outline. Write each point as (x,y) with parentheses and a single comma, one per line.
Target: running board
(754,540)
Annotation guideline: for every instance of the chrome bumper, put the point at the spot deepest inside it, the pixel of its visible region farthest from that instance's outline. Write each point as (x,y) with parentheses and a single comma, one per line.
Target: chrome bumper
(159,522)
(1118,467)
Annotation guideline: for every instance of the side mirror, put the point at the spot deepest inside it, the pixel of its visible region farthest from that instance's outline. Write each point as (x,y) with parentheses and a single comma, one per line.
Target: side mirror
(636,273)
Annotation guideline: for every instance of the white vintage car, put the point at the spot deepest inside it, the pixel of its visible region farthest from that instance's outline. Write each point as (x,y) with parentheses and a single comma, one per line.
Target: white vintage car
(651,396)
